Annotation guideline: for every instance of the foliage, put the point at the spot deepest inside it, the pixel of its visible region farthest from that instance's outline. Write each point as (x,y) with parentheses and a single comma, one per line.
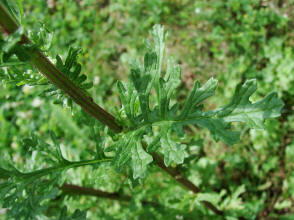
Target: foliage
(232,41)
(167,119)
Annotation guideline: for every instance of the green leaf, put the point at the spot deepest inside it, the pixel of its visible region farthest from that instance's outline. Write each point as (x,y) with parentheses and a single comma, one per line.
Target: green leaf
(26,194)
(173,152)
(129,152)
(77,215)
(197,95)
(219,130)
(58,153)
(240,109)
(140,160)
(162,123)
(128,98)
(20,8)
(72,69)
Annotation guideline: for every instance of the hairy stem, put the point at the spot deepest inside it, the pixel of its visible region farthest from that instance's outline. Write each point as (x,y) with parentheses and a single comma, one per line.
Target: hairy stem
(49,70)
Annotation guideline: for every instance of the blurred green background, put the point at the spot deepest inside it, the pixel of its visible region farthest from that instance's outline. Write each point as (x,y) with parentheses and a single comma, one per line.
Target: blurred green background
(231,40)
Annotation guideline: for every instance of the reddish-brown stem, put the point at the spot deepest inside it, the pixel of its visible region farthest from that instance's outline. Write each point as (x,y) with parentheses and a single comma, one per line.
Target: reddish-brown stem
(45,66)
(49,70)
(81,190)
(177,176)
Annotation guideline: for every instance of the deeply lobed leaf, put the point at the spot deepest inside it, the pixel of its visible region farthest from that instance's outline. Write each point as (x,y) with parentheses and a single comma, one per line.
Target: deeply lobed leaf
(242,110)
(154,116)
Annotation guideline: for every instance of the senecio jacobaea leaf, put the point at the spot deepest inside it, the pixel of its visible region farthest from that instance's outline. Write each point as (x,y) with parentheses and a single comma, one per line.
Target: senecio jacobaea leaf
(242,110)
(72,69)
(130,152)
(150,114)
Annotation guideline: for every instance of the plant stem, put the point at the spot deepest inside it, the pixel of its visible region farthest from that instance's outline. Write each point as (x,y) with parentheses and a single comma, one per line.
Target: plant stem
(178,177)
(73,189)
(48,69)
(87,191)
(68,165)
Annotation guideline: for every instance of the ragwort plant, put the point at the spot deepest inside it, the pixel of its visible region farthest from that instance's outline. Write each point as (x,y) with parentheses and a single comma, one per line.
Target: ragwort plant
(149,125)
